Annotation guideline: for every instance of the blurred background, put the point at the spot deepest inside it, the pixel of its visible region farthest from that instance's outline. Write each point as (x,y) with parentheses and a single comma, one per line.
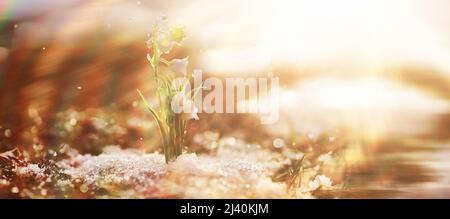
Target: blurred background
(376,73)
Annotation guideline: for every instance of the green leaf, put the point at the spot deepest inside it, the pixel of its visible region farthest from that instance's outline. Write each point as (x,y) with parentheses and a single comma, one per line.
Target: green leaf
(155,115)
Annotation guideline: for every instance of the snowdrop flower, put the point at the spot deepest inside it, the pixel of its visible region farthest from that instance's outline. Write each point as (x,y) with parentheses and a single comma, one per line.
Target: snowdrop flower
(163,41)
(182,104)
(166,39)
(179,65)
(172,122)
(178,34)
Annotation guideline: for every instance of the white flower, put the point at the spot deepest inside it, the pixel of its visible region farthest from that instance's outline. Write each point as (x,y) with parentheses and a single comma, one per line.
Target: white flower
(164,37)
(193,113)
(169,38)
(163,40)
(179,65)
(182,104)
(178,34)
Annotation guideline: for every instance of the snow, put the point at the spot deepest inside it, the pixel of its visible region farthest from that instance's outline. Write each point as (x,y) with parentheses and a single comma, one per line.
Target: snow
(29,170)
(235,169)
(130,173)
(115,167)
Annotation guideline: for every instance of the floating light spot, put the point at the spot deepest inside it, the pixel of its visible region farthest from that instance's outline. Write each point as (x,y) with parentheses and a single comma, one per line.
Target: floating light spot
(135,104)
(16,26)
(15,190)
(84,188)
(8,133)
(43,48)
(278,143)
(73,121)
(79,88)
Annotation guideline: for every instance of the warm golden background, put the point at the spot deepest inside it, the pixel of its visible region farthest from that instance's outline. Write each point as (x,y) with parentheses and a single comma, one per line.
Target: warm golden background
(379,70)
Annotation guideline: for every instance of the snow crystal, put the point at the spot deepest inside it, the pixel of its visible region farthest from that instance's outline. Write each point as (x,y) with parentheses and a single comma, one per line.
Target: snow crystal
(231,148)
(320,181)
(30,170)
(115,166)
(324,180)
